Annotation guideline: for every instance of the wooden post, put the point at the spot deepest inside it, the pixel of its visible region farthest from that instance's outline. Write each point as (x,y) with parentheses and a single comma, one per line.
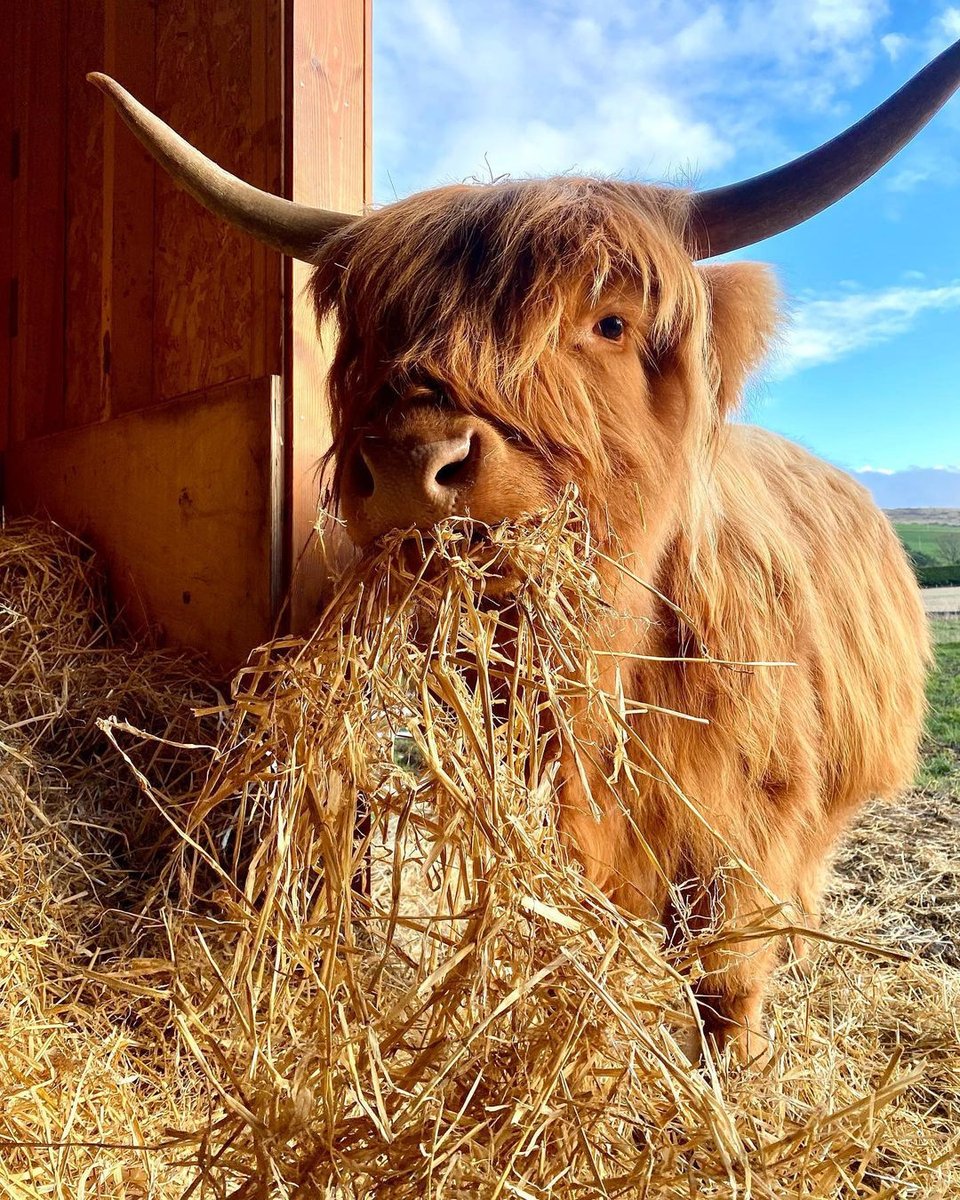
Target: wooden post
(329,111)
(9,170)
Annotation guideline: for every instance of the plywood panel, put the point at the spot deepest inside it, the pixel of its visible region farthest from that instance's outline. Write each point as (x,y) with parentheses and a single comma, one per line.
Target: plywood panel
(180,501)
(88,204)
(329,135)
(128,234)
(9,153)
(266,170)
(37,380)
(211,86)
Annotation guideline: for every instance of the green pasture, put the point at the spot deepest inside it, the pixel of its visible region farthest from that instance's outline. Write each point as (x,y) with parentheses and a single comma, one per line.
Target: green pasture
(940,765)
(931,545)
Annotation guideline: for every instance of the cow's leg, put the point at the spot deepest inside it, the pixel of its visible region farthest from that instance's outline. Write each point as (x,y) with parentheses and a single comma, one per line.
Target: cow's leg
(730,1007)
(597,831)
(809,899)
(730,995)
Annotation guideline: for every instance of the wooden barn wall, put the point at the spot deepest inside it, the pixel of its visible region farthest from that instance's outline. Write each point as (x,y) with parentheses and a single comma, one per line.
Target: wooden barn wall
(138,295)
(126,299)
(9,154)
(37,362)
(145,396)
(329,144)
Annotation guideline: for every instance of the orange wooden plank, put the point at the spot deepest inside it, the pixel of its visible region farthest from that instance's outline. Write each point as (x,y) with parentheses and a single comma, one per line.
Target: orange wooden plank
(127,301)
(329,137)
(178,499)
(38,357)
(9,154)
(211,85)
(88,204)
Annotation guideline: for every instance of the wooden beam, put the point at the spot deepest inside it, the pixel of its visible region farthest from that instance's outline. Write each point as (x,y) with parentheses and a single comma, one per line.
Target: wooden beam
(129,228)
(9,155)
(37,391)
(329,165)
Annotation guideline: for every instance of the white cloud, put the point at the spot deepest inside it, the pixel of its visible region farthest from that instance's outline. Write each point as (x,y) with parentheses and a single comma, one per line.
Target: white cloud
(437,24)
(950,22)
(911,176)
(894,44)
(649,89)
(943,30)
(824,330)
(631,129)
(844,19)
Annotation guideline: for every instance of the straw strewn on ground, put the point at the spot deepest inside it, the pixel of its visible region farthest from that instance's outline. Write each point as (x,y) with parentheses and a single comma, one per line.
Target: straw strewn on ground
(199,993)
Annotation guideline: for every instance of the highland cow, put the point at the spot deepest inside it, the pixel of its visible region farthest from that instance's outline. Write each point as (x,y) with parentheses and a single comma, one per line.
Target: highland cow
(499,341)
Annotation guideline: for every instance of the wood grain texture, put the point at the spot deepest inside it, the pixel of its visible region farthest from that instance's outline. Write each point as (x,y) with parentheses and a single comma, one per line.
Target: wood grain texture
(176,499)
(8,134)
(211,85)
(89,205)
(152,299)
(37,391)
(127,305)
(266,346)
(329,114)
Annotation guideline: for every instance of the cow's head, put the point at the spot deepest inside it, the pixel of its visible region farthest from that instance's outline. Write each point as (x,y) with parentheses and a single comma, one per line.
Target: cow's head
(497,341)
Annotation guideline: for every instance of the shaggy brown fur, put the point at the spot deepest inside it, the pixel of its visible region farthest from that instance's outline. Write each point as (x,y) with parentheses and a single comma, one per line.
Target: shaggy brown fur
(482,303)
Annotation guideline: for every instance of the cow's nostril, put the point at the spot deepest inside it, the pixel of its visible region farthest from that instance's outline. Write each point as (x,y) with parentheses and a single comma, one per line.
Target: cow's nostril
(459,467)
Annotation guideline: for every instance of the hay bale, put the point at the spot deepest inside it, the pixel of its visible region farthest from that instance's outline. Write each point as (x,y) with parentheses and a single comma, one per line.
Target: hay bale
(476,1022)
(89,1086)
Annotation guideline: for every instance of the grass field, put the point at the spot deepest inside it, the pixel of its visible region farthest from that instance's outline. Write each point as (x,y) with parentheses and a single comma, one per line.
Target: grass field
(940,768)
(939,543)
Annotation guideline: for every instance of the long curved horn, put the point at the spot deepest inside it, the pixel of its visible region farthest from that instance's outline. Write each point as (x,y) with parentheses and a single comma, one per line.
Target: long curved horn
(727,218)
(294,229)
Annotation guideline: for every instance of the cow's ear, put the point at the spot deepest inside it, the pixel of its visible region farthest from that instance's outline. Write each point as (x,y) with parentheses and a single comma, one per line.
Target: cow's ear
(744,305)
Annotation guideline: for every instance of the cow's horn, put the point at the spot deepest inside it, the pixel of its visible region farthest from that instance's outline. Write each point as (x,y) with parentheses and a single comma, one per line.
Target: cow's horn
(294,229)
(727,218)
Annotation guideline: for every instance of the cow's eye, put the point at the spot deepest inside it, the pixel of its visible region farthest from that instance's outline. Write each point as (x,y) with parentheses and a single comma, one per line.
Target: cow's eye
(610,328)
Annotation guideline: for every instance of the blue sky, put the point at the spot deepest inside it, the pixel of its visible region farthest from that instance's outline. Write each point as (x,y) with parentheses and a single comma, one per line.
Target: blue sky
(868,372)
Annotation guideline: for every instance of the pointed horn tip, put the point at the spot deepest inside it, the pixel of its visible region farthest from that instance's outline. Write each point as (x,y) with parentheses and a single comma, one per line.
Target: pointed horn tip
(108,86)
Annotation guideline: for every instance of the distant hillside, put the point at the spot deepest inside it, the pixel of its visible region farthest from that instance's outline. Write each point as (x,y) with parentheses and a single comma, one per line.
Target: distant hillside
(931,537)
(924,516)
(916,487)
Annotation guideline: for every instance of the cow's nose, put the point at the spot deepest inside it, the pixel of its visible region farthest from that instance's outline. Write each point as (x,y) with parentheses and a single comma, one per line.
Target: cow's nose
(434,472)
(415,481)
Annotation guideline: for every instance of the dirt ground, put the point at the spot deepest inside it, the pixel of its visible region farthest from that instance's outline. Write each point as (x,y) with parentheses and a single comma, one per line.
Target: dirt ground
(924,516)
(938,601)
(900,867)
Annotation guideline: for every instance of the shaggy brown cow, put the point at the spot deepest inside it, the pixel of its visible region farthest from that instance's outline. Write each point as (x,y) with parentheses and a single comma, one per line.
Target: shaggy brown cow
(498,341)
